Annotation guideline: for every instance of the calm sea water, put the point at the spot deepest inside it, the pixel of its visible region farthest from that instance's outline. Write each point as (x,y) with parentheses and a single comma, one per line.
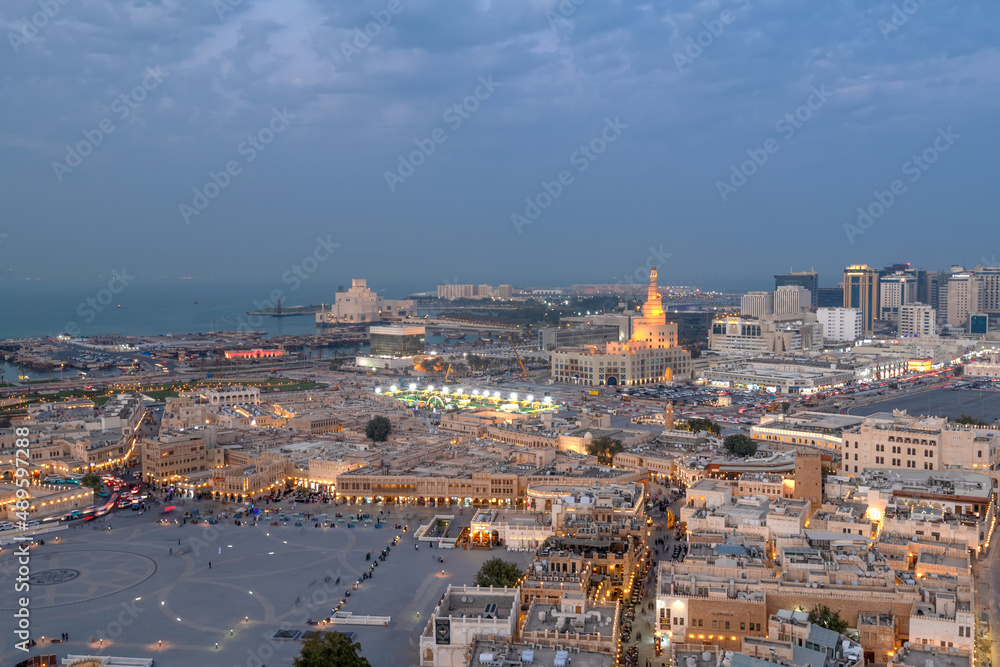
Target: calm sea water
(183,306)
(179,307)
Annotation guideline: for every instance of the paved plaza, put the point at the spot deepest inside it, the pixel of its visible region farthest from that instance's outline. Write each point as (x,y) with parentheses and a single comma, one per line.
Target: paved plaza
(983,405)
(126,587)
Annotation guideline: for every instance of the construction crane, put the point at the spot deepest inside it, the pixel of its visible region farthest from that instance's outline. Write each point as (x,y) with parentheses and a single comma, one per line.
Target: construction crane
(524,371)
(447,374)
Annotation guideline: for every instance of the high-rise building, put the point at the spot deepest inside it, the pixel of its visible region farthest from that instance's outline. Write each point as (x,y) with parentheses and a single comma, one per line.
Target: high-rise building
(456,291)
(979,323)
(830,297)
(757,304)
(989,280)
(840,325)
(807,279)
(791,300)
(895,290)
(964,291)
(861,292)
(917,320)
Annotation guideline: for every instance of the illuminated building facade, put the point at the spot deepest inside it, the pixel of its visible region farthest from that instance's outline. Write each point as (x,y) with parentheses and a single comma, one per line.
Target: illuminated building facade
(360,305)
(650,356)
(397,341)
(861,285)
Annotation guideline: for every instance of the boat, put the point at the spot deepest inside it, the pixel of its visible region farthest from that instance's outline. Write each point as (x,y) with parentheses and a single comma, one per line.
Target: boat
(454,336)
(485,340)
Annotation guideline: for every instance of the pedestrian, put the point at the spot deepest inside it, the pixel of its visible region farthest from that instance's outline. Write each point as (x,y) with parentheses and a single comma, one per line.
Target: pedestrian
(209,565)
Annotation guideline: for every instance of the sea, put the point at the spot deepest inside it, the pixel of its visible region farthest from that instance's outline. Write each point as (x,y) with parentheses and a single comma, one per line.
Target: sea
(35,309)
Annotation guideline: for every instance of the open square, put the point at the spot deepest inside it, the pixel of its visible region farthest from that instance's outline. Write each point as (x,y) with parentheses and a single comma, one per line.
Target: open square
(148,590)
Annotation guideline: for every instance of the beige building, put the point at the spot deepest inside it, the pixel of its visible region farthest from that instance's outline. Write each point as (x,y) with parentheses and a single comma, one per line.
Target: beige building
(900,441)
(917,320)
(360,305)
(166,457)
(650,356)
(964,295)
(739,335)
(464,614)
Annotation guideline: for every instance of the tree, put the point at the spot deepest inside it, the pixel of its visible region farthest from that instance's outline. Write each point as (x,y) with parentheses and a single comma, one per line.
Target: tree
(739,444)
(4,422)
(604,448)
(823,616)
(785,406)
(699,424)
(93,480)
(958,371)
(378,428)
(324,649)
(498,572)
(970,421)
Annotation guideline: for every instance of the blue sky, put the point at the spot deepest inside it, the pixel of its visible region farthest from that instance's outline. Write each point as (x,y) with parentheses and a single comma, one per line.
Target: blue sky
(693,90)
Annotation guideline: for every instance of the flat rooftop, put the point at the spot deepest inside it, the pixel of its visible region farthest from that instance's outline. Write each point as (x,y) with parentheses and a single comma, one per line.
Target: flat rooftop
(505,653)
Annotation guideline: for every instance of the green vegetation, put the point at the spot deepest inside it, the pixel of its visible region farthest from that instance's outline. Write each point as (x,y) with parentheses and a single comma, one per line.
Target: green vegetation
(498,572)
(699,424)
(604,448)
(93,480)
(824,617)
(378,428)
(4,422)
(966,420)
(324,649)
(739,444)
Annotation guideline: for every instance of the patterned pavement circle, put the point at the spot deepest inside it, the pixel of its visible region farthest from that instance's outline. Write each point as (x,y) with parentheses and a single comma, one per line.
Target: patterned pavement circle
(95,574)
(53,577)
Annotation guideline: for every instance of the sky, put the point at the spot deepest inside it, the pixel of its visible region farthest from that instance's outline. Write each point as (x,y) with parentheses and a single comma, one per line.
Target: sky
(530,142)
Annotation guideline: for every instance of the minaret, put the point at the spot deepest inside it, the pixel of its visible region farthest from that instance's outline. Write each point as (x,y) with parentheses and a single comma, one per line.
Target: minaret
(668,417)
(652,310)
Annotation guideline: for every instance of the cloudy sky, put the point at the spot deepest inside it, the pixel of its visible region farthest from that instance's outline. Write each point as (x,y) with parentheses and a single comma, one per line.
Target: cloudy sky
(523,141)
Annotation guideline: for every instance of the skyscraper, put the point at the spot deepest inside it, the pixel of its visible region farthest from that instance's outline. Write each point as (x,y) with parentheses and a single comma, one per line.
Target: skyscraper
(861,292)
(807,279)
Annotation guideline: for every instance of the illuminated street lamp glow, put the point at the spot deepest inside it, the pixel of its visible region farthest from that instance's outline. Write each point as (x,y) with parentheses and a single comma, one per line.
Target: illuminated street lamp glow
(430,387)
(496,394)
(378,390)
(392,388)
(444,390)
(513,396)
(458,390)
(548,399)
(531,398)
(475,392)
(413,386)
